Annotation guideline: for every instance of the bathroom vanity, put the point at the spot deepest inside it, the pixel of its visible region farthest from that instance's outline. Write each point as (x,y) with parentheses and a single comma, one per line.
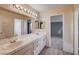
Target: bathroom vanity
(29,44)
(19,25)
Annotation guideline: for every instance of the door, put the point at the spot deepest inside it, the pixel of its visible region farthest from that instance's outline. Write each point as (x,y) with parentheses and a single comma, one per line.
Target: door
(17,27)
(57,31)
(29,26)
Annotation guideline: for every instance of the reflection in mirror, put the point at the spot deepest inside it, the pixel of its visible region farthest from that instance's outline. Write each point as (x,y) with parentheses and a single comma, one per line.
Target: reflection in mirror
(13,24)
(17,27)
(39,24)
(22,27)
(29,26)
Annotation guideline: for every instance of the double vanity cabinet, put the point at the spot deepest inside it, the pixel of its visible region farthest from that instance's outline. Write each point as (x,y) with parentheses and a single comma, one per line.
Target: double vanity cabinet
(39,44)
(33,48)
(31,44)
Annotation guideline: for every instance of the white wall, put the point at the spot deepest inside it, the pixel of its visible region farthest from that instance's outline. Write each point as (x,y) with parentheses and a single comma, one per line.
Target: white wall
(67,23)
(1,28)
(0,24)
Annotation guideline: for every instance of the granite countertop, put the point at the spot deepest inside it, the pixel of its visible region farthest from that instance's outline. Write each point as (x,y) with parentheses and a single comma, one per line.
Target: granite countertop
(8,48)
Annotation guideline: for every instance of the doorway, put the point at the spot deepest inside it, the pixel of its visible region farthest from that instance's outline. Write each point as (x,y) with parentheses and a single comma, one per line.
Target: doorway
(17,27)
(57,31)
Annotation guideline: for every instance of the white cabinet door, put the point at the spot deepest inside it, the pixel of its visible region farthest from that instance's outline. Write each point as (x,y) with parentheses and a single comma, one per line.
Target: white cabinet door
(43,42)
(39,44)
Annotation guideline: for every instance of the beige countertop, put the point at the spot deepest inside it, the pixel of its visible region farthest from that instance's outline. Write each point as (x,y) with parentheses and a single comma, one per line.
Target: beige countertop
(8,48)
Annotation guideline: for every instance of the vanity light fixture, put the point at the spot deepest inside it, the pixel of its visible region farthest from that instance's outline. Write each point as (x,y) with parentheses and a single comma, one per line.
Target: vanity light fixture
(25,10)
(16,6)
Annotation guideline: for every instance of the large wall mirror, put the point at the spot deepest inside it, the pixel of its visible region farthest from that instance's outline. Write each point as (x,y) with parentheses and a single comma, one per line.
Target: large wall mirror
(13,24)
(15,27)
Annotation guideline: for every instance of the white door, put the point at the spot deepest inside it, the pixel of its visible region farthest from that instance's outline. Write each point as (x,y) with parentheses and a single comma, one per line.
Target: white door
(17,27)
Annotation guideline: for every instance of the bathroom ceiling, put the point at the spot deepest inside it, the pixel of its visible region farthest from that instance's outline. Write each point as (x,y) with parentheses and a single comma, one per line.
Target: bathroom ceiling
(45,7)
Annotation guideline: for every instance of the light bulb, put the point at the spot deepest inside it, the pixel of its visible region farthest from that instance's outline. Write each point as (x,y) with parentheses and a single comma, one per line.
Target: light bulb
(17,6)
(21,7)
(24,9)
(36,15)
(29,11)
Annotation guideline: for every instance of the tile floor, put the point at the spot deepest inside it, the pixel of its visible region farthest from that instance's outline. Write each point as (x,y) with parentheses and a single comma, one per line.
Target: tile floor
(55,49)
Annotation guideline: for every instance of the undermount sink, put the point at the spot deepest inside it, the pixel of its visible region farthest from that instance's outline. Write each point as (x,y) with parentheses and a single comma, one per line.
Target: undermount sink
(8,46)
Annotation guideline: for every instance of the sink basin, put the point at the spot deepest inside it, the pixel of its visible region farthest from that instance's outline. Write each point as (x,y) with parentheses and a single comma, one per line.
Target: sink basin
(9,46)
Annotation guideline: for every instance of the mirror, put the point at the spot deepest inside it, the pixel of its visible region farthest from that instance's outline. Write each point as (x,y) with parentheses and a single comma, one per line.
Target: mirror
(13,24)
(20,27)
(15,27)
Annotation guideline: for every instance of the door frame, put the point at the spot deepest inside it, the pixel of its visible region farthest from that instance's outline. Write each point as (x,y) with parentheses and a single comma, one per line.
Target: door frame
(75,45)
(62,24)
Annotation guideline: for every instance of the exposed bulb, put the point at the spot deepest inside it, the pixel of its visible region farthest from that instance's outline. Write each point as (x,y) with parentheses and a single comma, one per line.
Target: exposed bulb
(24,9)
(17,6)
(21,7)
